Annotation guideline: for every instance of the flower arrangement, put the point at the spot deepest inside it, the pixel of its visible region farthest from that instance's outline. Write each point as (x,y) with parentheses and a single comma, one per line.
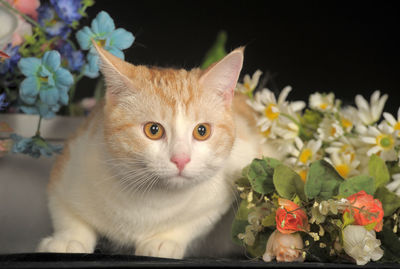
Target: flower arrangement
(334,196)
(42,60)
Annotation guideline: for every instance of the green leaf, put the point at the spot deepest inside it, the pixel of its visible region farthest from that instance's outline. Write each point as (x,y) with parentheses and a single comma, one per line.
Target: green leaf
(269,221)
(243,211)
(260,175)
(310,120)
(390,243)
(260,244)
(378,170)
(238,226)
(216,52)
(348,219)
(356,184)
(323,181)
(288,183)
(390,201)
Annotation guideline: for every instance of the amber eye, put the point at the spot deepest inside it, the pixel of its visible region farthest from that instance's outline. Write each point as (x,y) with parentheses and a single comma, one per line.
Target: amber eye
(153,130)
(202,131)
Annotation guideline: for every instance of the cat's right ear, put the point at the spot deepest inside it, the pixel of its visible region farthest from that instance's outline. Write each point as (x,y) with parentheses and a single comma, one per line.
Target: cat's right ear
(117,72)
(223,75)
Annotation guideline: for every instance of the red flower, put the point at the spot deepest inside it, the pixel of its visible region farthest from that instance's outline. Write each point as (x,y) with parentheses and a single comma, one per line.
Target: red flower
(290,218)
(366,210)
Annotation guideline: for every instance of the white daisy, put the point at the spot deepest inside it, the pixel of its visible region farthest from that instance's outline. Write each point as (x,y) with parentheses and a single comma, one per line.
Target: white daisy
(394,186)
(322,102)
(304,154)
(329,129)
(342,146)
(249,84)
(270,109)
(348,117)
(344,164)
(380,141)
(393,123)
(370,113)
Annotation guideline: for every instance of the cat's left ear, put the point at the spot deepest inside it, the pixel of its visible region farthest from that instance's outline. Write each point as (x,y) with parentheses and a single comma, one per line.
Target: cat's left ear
(117,72)
(223,75)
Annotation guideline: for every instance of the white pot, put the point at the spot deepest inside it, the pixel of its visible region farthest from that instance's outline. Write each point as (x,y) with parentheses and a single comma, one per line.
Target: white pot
(24,218)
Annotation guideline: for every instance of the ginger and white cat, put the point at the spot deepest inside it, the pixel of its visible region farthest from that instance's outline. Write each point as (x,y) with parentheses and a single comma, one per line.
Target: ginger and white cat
(153,167)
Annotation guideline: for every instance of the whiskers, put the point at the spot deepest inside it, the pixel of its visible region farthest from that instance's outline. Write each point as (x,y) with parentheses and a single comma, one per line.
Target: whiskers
(132,175)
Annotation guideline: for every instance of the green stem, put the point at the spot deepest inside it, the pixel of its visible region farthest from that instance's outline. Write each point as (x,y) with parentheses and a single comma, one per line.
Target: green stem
(27,18)
(38,127)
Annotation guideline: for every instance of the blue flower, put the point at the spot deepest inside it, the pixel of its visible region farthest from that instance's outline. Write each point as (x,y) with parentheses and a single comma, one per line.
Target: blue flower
(34,146)
(67,10)
(74,59)
(49,20)
(103,32)
(46,85)
(3,103)
(8,65)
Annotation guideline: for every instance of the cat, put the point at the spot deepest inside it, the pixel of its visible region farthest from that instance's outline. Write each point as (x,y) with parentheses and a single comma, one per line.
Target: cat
(153,167)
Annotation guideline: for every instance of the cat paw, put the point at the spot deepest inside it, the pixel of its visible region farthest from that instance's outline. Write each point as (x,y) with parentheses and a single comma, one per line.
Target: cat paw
(61,245)
(160,248)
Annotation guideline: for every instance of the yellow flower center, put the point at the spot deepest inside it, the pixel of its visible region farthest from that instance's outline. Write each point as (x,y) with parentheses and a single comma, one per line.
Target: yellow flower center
(323,106)
(247,86)
(271,112)
(44,79)
(396,127)
(303,175)
(305,155)
(385,141)
(267,132)
(346,123)
(333,131)
(343,169)
(101,42)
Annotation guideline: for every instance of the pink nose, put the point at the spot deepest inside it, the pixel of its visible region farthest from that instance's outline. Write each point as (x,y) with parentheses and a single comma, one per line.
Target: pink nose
(180,161)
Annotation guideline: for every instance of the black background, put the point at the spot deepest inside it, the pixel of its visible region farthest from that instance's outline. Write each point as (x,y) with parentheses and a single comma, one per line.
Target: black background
(345,47)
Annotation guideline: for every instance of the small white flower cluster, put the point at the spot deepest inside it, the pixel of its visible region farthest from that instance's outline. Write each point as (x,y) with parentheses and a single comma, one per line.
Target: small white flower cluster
(345,136)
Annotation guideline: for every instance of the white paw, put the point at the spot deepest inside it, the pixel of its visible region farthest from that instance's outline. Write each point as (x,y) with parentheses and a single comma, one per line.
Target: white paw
(160,248)
(62,245)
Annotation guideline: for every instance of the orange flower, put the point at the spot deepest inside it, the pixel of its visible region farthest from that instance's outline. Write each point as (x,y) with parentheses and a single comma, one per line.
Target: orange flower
(290,218)
(366,210)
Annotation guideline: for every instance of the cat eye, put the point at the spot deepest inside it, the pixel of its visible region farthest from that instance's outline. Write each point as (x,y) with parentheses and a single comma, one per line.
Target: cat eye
(202,131)
(153,130)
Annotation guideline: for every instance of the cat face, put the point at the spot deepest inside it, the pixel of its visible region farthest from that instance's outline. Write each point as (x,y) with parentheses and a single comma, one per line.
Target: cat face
(166,127)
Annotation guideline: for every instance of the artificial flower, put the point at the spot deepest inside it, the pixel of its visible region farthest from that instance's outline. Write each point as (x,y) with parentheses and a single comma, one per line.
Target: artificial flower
(103,32)
(23,29)
(9,24)
(49,20)
(28,7)
(290,217)
(393,123)
(46,85)
(329,129)
(361,244)
(348,118)
(365,210)
(249,84)
(344,146)
(394,185)
(344,164)
(34,146)
(285,247)
(380,140)
(370,113)
(3,103)
(304,154)
(5,146)
(8,65)
(322,102)
(67,10)
(73,59)
(271,109)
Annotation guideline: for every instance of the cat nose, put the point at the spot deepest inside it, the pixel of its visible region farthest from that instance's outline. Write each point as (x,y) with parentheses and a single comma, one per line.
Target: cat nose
(180,161)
